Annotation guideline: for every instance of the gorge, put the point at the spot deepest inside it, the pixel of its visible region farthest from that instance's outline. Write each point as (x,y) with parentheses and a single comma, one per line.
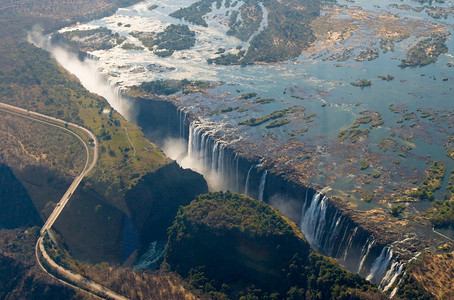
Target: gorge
(308,168)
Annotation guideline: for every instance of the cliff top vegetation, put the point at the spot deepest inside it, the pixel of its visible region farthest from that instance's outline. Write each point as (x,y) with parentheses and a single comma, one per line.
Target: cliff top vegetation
(234,247)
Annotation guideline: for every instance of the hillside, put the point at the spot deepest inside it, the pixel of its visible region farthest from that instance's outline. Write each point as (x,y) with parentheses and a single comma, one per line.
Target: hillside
(430,276)
(40,157)
(232,245)
(20,276)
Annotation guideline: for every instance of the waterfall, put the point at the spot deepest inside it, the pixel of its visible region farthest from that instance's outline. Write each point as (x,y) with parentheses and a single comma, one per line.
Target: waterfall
(182,118)
(262,185)
(391,275)
(349,243)
(380,265)
(237,159)
(326,228)
(333,233)
(313,220)
(246,189)
(365,254)
(219,165)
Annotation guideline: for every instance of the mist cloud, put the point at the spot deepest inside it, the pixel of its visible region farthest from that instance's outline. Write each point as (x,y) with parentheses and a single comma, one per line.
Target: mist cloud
(86,71)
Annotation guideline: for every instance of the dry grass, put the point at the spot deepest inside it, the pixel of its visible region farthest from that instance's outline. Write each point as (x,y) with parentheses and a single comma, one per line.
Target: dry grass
(138,284)
(436,274)
(26,142)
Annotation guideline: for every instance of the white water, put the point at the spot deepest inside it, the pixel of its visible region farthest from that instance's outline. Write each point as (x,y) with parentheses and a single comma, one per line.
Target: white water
(86,71)
(246,188)
(391,275)
(209,158)
(310,218)
(365,254)
(151,257)
(262,185)
(380,265)
(263,23)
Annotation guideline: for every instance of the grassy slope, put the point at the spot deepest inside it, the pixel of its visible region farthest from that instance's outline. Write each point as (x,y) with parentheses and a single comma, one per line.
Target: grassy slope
(30,78)
(431,276)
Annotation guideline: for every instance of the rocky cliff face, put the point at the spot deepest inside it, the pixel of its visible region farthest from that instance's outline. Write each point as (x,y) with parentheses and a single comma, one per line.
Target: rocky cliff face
(96,231)
(154,202)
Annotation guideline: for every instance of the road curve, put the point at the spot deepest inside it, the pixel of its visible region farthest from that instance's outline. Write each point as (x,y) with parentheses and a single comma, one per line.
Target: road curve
(73,279)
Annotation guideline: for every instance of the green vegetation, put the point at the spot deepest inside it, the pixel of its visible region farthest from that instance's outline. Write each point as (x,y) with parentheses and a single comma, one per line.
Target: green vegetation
(37,82)
(195,12)
(234,247)
(361,83)
(90,40)
(361,120)
(164,53)
(363,165)
(396,210)
(353,134)
(173,38)
(229,59)
(248,96)
(129,46)
(367,55)
(425,52)
(235,212)
(387,77)
(298,132)
(257,121)
(442,212)
(251,16)
(152,7)
(449,146)
(167,87)
(21,277)
(287,34)
(432,182)
(264,101)
(226,110)
(147,39)
(288,31)
(220,50)
(277,123)
(367,198)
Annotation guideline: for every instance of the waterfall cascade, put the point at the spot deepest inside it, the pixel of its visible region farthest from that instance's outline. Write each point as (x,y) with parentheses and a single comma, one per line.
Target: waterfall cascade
(262,185)
(326,227)
(246,188)
(335,235)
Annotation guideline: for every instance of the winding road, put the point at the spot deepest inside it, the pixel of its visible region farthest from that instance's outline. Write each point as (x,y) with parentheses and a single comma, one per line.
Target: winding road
(72,279)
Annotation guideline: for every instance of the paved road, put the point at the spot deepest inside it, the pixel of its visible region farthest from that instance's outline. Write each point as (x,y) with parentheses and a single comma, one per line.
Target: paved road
(80,283)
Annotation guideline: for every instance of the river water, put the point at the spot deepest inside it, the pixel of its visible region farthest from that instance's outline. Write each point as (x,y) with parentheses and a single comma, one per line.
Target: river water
(319,91)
